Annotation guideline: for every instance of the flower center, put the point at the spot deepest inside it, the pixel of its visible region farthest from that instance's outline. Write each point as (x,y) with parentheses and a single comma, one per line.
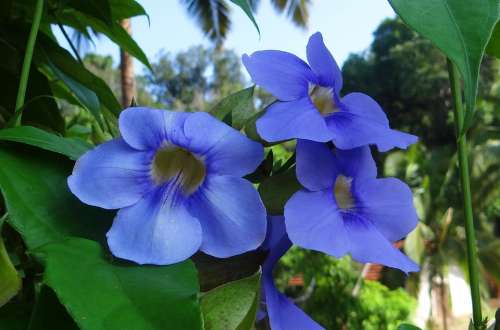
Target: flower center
(342,192)
(180,165)
(323,99)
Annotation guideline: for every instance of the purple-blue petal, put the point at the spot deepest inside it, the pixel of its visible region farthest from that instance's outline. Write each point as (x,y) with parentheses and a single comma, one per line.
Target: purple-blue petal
(361,122)
(323,64)
(316,168)
(356,163)
(223,149)
(148,129)
(388,203)
(232,216)
(157,230)
(313,221)
(296,119)
(280,73)
(283,313)
(275,232)
(111,176)
(368,245)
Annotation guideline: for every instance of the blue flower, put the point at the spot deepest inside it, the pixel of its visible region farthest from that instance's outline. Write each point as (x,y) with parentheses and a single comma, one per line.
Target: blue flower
(282,312)
(309,104)
(344,208)
(176,178)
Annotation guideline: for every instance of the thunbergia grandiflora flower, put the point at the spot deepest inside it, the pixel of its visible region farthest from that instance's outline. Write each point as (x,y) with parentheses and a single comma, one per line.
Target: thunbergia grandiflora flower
(344,208)
(309,104)
(176,178)
(282,312)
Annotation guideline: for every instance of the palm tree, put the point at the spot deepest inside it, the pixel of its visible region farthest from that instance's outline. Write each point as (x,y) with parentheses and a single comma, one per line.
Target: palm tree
(213,17)
(127,69)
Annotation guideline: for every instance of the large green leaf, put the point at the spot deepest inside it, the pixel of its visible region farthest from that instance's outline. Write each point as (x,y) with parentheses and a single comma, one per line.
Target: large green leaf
(239,105)
(121,9)
(276,190)
(114,32)
(99,9)
(73,148)
(232,305)
(493,47)
(41,207)
(102,294)
(461,29)
(10,282)
(245,5)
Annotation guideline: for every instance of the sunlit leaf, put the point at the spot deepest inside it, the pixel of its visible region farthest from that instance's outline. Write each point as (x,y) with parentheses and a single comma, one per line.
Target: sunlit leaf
(232,305)
(460,29)
(102,294)
(10,282)
(239,105)
(73,148)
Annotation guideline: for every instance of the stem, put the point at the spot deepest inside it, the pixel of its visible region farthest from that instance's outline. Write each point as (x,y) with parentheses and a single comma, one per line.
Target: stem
(28,55)
(73,48)
(464,179)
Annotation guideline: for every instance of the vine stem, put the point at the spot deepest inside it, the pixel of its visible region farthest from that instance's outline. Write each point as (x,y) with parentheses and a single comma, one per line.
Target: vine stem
(463,164)
(28,55)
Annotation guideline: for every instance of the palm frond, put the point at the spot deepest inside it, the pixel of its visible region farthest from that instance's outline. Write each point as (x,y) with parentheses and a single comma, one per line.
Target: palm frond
(297,10)
(212,17)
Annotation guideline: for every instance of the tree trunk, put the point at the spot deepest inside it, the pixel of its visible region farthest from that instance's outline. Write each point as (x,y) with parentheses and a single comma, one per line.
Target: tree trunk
(127,70)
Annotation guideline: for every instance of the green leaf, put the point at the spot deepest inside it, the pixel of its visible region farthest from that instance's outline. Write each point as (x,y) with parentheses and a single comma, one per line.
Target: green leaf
(232,305)
(121,9)
(51,52)
(10,282)
(406,326)
(104,295)
(245,5)
(41,207)
(115,32)
(276,190)
(73,148)
(239,105)
(461,29)
(493,47)
(96,8)
(15,316)
(88,99)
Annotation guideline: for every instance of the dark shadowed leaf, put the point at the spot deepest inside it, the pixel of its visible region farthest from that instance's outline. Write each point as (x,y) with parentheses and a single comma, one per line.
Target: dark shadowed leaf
(41,207)
(461,29)
(232,305)
(48,313)
(245,5)
(15,316)
(102,294)
(276,190)
(239,105)
(406,326)
(493,47)
(73,148)
(100,9)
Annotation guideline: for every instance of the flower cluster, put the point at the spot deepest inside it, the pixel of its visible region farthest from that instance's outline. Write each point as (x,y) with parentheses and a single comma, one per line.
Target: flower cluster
(176,179)
(343,208)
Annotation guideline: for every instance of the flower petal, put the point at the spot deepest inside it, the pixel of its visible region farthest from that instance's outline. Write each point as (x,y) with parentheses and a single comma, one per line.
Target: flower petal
(283,313)
(280,73)
(231,214)
(111,176)
(145,128)
(388,203)
(323,64)
(361,121)
(369,245)
(275,231)
(356,163)
(224,149)
(157,230)
(313,222)
(316,168)
(296,119)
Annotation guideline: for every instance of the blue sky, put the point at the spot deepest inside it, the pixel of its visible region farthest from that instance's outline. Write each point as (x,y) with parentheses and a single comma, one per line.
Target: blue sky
(346,25)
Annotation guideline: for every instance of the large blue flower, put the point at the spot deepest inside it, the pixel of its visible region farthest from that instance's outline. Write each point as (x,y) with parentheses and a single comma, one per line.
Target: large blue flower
(176,178)
(309,104)
(344,208)
(282,312)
